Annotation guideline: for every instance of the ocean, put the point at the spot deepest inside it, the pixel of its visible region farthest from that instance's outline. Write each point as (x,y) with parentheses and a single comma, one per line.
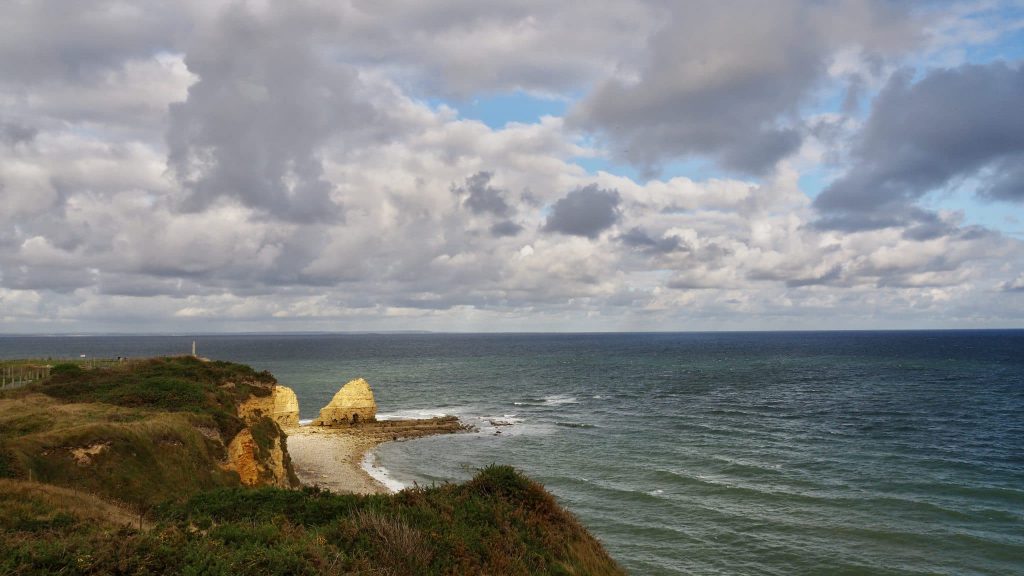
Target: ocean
(697,453)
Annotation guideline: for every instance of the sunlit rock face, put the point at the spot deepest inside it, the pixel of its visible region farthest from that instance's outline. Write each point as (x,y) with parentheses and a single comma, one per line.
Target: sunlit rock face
(351,405)
(286,407)
(281,405)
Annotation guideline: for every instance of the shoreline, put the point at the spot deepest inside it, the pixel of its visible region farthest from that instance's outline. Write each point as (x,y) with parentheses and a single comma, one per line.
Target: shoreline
(333,458)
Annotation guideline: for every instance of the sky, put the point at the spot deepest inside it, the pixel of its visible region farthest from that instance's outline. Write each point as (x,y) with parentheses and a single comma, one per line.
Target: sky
(515,165)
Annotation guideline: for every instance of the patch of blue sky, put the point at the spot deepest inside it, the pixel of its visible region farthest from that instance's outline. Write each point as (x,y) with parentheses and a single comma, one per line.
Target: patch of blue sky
(1010,48)
(995,215)
(498,110)
(813,180)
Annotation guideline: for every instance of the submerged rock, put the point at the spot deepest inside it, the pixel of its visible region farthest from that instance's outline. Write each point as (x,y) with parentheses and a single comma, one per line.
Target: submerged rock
(352,404)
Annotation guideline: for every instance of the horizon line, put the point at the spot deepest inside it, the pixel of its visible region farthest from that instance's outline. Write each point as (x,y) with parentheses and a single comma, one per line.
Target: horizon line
(490,333)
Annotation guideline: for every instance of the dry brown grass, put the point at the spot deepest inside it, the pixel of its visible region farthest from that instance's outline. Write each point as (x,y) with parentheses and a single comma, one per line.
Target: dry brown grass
(402,549)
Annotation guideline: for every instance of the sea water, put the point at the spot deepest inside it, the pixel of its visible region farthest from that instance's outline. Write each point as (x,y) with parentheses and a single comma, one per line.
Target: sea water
(711,453)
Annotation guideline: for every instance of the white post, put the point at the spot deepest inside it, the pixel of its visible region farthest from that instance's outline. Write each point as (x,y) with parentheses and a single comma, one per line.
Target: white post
(193,348)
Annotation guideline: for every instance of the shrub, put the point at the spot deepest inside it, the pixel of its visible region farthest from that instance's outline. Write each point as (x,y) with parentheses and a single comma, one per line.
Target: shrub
(66,368)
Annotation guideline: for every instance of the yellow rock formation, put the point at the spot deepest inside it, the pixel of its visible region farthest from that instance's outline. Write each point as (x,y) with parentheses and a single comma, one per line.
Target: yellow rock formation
(351,405)
(286,407)
(243,457)
(281,406)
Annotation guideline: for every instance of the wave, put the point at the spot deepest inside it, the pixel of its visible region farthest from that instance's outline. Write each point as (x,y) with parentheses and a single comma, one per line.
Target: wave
(380,473)
(551,400)
(416,413)
(574,425)
(559,399)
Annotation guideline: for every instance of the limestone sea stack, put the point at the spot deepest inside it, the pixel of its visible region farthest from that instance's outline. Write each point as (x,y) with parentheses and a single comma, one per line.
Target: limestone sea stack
(351,405)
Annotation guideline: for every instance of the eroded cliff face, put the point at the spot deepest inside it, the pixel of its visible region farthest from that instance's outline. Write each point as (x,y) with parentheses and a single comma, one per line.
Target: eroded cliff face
(259,451)
(261,463)
(352,404)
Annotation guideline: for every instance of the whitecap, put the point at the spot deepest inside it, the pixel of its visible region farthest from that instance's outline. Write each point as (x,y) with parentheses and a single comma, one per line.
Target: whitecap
(559,399)
(416,413)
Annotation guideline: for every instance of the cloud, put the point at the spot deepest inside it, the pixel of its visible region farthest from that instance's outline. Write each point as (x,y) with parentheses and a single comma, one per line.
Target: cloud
(47,40)
(725,80)
(267,101)
(1005,179)
(1015,285)
(637,238)
(268,166)
(12,133)
(585,212)
(459,49)
(951,125)
(480,197)
(505,228)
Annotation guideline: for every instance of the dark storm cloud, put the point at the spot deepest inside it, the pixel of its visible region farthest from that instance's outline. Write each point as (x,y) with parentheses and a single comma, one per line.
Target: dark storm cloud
(584,212)
(480,197)
(265,104)
(951,125)
(725,80)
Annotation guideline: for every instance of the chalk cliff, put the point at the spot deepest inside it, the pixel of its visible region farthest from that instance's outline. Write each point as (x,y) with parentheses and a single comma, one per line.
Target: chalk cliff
(352,404)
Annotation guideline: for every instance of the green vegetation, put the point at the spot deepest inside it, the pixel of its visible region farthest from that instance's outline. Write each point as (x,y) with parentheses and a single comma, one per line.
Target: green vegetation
(498,523)
(118,470)
(140,432)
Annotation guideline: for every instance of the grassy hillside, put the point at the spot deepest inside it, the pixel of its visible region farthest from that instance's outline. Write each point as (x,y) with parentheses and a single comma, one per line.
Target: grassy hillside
(140,433)
(117,470)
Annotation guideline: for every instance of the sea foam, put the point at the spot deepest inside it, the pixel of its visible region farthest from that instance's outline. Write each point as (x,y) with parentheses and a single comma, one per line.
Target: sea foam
(380,473)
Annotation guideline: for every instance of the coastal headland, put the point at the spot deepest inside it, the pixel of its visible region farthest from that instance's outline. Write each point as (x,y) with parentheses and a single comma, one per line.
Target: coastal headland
(183,465)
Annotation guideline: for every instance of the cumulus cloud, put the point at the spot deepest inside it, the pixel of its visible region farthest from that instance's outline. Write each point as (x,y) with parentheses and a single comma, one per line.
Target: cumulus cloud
(253,126)
(480,197)
(460,49)
(259,166)
(586,211)
(922,136)
(636,237)
(725,80)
